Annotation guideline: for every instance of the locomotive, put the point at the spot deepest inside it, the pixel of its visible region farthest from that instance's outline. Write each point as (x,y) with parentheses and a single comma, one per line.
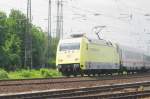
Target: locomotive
(79,55)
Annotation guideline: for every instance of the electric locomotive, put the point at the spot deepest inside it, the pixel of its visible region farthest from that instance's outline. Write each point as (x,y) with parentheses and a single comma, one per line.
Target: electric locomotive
(78,54)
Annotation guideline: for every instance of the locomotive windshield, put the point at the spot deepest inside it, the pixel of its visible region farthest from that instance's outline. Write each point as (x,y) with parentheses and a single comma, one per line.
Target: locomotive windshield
(69,46)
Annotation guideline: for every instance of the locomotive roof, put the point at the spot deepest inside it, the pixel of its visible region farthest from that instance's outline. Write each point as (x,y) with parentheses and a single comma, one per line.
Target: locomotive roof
(91,40)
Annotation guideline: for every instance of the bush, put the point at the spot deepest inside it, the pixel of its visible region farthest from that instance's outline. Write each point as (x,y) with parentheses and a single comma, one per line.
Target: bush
(36,74)
(42,71)
(55,73)
(25,74)
(49,73)
(45,73)
(3,74)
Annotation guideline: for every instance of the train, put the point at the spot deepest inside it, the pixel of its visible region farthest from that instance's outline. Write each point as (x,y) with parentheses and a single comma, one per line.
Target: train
(80,55)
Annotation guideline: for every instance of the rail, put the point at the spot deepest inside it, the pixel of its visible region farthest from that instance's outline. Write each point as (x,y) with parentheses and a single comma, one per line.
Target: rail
(84,93)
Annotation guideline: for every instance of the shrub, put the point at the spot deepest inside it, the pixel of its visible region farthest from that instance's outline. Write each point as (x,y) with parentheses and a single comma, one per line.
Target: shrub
(45,73)
(25,73)
(55,73)
(49,73)
(3,74)
(36,74)
(42,71)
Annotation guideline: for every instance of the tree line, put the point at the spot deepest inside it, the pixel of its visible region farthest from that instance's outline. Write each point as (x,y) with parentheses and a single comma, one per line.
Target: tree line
(12,43)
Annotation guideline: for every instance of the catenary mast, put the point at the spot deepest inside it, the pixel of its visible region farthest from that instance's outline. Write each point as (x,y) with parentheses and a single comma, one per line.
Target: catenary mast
(28,38)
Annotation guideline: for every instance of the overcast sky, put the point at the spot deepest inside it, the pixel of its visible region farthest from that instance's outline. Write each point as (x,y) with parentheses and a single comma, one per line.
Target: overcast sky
(127,21)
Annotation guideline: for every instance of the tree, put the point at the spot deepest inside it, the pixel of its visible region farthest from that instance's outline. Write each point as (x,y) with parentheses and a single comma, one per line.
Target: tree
(12,50)
(11,39)
(17,24)
(39,46)
(12,42)
(3,18)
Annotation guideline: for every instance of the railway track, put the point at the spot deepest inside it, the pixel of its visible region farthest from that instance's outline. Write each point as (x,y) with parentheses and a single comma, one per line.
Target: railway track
(18,82)
(38,81)
(127,95)
(15,86)
(116,91)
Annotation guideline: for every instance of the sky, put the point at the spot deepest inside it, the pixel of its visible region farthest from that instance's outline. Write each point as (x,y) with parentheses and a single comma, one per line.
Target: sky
(126,22)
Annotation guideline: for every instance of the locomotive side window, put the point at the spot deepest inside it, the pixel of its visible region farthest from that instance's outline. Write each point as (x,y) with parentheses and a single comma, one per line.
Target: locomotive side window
(69,46)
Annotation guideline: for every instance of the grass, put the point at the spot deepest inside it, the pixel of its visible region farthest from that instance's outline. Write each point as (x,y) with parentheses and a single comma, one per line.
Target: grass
(27,74)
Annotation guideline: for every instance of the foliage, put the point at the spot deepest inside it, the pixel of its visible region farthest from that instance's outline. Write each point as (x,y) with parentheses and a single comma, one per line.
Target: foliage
(45,73)
(25,74)
(42,73)
(3,74)
(39,46)
(2,37)
(12,43)
(49,73)
(53,47)
(55,73)
(12,49)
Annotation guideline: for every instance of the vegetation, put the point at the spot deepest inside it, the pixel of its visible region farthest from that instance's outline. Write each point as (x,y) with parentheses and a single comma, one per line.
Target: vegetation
(12,35)
(3,74)
(49,73)
(27,74)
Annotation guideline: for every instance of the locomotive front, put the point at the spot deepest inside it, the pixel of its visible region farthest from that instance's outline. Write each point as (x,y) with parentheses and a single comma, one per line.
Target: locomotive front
(68,56)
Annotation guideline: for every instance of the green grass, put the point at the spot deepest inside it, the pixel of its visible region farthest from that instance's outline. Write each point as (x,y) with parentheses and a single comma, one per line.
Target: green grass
(26,74)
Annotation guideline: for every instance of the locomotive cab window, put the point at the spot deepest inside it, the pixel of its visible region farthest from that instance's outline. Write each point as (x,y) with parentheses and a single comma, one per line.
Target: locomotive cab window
(69,46)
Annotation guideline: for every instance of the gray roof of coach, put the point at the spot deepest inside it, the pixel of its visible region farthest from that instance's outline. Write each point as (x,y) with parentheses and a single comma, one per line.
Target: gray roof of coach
(127,48)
